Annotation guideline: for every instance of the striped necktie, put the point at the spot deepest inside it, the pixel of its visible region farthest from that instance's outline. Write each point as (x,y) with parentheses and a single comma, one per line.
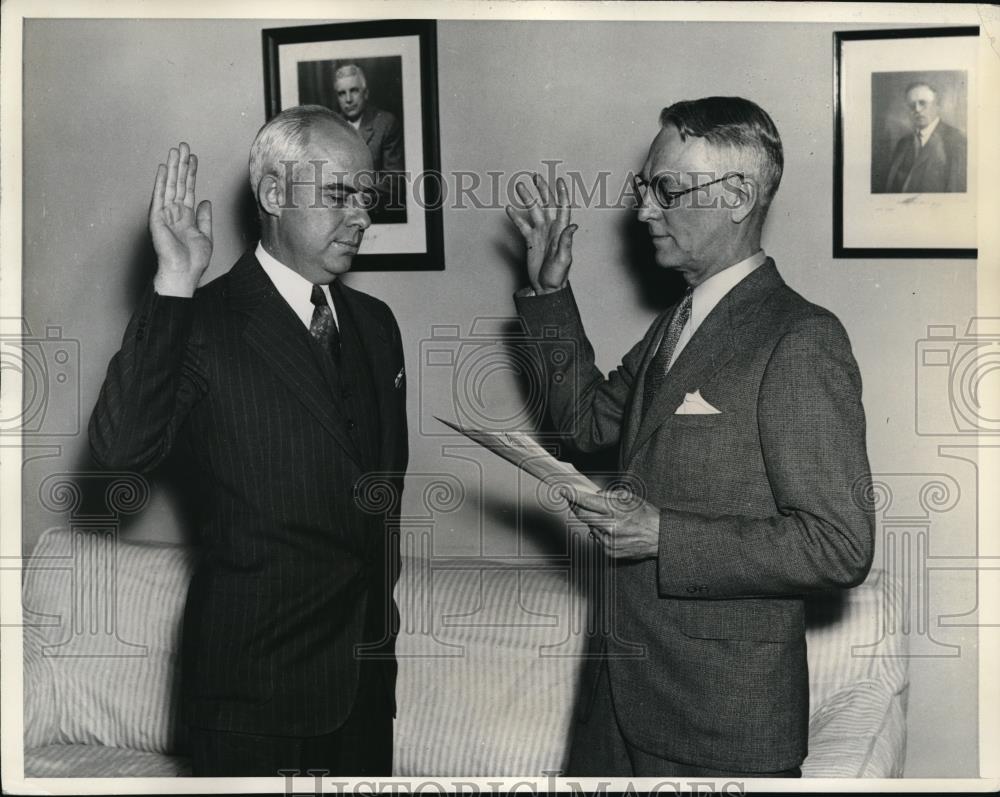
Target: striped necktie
(323,326)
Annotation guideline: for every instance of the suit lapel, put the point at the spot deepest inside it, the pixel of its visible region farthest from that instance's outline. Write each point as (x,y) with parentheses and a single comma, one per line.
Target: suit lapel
(710,349)
(367,126)
(378,352)
(635,407)
(277,335)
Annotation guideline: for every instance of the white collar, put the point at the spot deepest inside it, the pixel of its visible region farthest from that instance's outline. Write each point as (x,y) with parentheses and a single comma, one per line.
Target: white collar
(928,131)
(295,289)
(709,293)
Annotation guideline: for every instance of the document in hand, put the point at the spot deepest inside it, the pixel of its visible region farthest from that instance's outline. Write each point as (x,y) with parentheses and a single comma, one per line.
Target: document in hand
(520,449)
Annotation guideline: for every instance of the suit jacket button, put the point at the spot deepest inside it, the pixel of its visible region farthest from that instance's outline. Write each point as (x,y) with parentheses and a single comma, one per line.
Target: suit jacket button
(351,425)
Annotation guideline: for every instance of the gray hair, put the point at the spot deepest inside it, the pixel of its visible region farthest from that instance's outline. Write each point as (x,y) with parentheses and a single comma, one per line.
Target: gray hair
(285,138)
(350,70)
(739,128)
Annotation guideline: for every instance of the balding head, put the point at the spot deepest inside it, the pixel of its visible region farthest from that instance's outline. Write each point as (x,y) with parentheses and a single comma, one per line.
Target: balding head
(311,173)
(286,137)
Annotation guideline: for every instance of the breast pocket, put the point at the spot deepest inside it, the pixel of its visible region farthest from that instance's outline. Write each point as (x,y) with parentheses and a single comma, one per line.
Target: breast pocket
(708,421)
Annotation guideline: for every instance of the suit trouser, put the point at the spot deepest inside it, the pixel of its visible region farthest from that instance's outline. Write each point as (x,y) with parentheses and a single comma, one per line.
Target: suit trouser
(362,745)
(599,748)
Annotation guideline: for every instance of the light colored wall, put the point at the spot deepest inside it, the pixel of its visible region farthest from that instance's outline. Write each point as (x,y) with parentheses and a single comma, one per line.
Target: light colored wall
(105,99)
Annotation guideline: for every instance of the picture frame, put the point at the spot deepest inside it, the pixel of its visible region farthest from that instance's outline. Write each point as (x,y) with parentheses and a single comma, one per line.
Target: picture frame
(905,144)
(390,68)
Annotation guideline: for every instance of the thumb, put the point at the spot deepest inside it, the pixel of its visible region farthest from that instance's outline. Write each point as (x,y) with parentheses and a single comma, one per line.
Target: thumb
(566,242)
(203,218)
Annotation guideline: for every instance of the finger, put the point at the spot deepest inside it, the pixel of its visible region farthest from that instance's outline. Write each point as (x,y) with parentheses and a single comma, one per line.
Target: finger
(562,204)
(543,188)
(531,204)
(548,200)
(591,502)
(523,227)
(603,539)
(159,186)
(171,189)
(183,161)
(545,194)
(192,179)
(594,520)
(203,218)
(566,242)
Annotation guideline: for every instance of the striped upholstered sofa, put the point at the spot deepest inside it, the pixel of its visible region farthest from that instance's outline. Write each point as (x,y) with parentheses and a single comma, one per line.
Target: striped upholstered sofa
(487,666)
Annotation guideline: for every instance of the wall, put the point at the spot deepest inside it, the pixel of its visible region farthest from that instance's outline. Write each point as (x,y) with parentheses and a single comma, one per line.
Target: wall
(105,99)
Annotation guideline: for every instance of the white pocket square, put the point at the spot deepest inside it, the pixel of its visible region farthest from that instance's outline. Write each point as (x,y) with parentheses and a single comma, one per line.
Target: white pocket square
(694,404)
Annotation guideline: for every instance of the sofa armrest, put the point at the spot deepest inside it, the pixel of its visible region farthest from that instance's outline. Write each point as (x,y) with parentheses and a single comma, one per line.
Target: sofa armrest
(41,724)
(858,732)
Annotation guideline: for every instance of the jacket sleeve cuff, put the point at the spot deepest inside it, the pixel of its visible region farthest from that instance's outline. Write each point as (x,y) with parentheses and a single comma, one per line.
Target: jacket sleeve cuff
(545,307)
(679,573)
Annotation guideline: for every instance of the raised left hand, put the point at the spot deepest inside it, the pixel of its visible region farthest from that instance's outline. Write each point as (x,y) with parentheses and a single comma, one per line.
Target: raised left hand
(627,526)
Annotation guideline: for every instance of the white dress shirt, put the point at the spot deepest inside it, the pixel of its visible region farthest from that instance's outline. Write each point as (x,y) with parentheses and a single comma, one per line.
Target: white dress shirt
(928,131)
(709,293)
(293,287)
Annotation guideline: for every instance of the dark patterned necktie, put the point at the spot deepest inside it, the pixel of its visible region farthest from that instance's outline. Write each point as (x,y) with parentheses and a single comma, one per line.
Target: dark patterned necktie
(656,374)
(324,327)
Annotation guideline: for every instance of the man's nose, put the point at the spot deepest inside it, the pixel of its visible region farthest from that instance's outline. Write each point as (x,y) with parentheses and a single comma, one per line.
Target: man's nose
(648,211)
(359,219)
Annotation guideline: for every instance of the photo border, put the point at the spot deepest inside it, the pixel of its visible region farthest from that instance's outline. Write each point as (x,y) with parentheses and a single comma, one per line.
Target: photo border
(839,250)
(426,29)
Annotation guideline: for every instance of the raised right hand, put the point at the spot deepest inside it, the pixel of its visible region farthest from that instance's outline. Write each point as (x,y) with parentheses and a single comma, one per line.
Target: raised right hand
(182,236)
(547,233)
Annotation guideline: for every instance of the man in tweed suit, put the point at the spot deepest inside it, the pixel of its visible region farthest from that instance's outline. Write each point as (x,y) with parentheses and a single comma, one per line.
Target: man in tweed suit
(282,389)
(739,418)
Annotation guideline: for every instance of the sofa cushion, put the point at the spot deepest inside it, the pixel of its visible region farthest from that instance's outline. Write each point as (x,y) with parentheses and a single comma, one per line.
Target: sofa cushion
(859,732)
(489,658)
(95,761)
(102,632)
(848,642)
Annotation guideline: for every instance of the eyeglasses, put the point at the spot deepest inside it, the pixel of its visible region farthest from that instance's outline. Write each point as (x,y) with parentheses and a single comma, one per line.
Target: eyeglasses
(665,198)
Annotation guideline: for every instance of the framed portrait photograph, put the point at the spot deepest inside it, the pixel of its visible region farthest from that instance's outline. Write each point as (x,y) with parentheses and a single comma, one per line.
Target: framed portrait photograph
(382,78)
(905,144)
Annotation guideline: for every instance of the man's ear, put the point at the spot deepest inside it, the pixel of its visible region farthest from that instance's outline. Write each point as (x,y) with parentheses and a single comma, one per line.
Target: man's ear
(742,196)
(271,195)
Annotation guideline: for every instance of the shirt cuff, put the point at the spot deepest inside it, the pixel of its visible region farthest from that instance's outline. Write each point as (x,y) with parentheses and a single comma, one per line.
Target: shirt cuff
(528,292)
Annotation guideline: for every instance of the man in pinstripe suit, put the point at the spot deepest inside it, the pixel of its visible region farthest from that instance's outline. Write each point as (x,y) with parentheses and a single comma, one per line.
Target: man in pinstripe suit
(739,415)
(281,388)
